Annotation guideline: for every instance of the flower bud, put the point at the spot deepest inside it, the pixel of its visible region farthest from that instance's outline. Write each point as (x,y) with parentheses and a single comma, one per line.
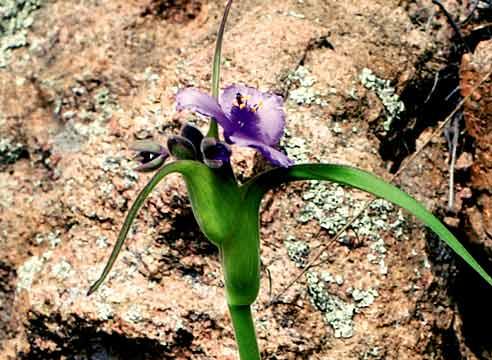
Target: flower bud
(194,135)
(181,148)
(150,155)
(215,153)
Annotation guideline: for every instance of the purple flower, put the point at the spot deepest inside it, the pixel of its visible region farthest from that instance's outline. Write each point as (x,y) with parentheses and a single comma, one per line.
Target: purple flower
(248,117)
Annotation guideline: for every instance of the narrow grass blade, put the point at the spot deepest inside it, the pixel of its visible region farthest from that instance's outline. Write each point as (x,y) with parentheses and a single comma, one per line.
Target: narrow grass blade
(214,130)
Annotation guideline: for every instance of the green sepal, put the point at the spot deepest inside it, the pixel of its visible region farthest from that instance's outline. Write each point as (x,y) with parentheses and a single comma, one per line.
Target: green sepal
(346,175)
(182,148)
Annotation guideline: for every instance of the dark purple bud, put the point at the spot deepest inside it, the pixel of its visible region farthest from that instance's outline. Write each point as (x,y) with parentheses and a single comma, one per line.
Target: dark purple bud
(150,155)
(215,153)
(181,148)
(193,134)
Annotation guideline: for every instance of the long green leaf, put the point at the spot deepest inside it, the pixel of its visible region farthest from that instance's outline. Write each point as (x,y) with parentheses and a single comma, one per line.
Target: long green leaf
(258,186)
(178,166)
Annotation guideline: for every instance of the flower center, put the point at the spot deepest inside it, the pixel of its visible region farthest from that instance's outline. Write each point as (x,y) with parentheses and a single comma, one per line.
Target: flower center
(241,102)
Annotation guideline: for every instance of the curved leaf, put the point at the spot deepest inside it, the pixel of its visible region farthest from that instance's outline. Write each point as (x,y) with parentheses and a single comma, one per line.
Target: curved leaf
(258,186)
(201,182)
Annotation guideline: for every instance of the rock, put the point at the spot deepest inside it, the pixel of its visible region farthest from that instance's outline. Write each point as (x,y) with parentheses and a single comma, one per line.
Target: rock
(478,121)
(100,74)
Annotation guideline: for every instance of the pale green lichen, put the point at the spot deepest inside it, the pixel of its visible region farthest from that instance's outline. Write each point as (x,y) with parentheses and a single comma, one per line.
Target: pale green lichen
(298,251)
(295,147)
(16,17)
(386,93)
(150,76)
(10,151)
(302,91)
(52,238)
(328,278)
(102,242)
(106,188)
(331,205)
(339,280)
(364,298)
(62,270)
(133,314)
(28,271)
(337,312)
(121,166)
(295,14)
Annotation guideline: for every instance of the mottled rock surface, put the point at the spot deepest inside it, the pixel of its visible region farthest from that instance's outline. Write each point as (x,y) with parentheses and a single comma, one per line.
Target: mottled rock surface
(93,76)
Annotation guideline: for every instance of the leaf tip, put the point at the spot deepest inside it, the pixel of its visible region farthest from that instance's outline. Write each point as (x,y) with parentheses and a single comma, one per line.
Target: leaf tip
(93,288)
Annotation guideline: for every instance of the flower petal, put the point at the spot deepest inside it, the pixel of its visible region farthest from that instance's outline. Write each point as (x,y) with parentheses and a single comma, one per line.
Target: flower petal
(267,122)
(195,100)
(273,155)
(271,118)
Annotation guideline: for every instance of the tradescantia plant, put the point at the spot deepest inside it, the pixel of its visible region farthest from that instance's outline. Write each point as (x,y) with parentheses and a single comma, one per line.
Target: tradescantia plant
(228,212)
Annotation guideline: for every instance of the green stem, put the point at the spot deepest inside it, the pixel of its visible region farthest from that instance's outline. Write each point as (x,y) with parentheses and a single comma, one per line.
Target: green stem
(245,332)
(213,131)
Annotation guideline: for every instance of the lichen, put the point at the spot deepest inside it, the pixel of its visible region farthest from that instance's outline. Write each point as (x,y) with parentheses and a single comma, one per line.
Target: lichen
(328,278)
(62,270)
(386,93)
(28,270)
(52,238)
(295,147)
(120,166)
(150,76)
(16,17)
(298,251)
(339,280)
(332,205)
(102,242)
(86,118)
(300,82)
(295,14)
(364,298)
(337,312)
(133,314)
